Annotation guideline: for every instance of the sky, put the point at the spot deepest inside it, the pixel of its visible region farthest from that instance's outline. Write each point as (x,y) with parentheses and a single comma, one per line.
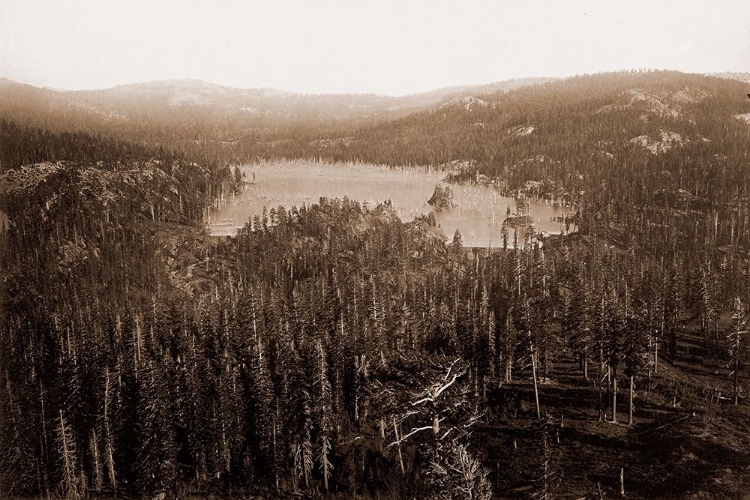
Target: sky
(361,46)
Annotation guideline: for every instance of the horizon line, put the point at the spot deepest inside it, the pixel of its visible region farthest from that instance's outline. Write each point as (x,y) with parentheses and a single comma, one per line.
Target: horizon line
(394,95)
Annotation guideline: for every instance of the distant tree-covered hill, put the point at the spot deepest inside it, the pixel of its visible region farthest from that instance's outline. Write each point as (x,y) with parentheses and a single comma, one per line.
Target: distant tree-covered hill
(644,150)
(207,121)
(210,112)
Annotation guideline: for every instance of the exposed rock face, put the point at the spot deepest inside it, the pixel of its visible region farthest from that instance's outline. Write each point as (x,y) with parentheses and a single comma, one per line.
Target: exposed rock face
(667,141)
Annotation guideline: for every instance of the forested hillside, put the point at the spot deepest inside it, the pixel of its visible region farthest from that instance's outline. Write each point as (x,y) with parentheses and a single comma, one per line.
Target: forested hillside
(333,350)
(208,120)
(653,159)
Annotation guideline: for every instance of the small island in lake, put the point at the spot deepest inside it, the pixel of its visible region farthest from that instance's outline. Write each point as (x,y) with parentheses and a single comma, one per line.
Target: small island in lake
(442,198)
(518,220)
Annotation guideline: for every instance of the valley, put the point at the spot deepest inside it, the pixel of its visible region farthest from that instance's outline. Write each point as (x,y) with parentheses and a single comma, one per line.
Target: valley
(196,305)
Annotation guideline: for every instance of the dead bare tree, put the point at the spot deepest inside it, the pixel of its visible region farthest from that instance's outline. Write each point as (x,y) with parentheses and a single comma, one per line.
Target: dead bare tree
(432,399)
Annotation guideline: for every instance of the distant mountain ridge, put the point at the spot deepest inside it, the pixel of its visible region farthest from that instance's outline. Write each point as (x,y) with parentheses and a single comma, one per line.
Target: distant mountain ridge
(191,100)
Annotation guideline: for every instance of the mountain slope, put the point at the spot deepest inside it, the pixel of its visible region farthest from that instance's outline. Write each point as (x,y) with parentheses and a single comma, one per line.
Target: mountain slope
(659,141)
(188,101)
(577,124)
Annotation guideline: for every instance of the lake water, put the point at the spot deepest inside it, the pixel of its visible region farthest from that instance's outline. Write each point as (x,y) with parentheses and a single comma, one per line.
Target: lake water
(479,213)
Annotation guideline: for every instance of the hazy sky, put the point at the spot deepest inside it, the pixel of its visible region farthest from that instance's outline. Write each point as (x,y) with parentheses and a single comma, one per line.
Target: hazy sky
(382,46)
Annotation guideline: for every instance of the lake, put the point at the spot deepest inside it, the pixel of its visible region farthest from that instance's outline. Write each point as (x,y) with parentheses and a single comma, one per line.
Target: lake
(479,213)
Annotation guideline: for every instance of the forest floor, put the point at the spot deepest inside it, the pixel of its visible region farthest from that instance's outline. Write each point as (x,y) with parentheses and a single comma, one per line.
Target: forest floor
(688,440)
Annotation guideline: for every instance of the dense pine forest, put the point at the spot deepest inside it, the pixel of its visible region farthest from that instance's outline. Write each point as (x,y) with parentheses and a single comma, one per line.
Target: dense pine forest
(336,351)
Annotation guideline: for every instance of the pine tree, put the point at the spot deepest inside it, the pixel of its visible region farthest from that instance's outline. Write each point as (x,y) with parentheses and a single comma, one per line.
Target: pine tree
(636,354)
(300,421)
(71,485)
(156,451)
(261,418)
(324,416)
(108,401)
(709,308)
(737,342)
(455,474)
(97,467)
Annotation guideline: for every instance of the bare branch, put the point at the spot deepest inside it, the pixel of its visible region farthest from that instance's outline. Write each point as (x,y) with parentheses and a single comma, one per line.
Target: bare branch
(440,391)
(406,415)
(446,433)
(450,368)
(413,431)
(423,400)
(434,392)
